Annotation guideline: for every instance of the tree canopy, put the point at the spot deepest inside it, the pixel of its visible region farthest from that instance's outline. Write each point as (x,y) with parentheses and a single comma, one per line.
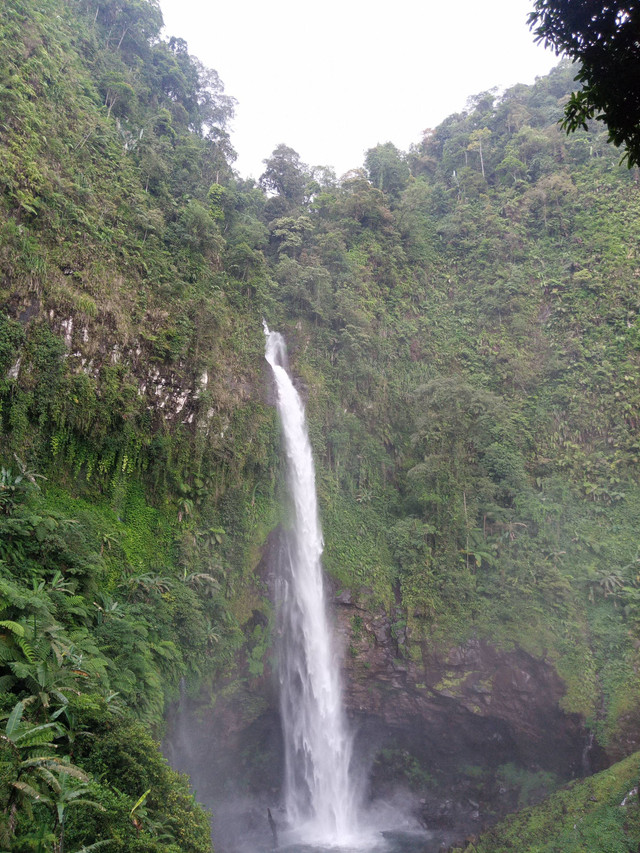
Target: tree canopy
(603,38)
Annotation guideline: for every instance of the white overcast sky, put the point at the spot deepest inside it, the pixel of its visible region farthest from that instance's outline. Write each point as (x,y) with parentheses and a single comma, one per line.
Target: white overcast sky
(334,78)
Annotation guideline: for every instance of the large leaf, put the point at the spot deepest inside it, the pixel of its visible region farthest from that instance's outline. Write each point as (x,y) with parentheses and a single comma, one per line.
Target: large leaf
(96,845)
(36,735)
(14,719)
(30,791)
(50,763)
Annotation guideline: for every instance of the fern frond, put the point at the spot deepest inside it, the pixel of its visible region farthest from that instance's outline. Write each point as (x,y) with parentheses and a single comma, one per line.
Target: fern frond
(6,683)
(26,649)
(19,669)
(14,627)
(7,650)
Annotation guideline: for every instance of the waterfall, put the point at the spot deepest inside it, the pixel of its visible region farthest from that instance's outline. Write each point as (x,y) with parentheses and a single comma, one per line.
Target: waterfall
(318,795)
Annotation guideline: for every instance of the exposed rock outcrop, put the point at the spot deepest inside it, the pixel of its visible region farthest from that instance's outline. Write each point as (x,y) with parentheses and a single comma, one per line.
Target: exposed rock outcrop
(473,699)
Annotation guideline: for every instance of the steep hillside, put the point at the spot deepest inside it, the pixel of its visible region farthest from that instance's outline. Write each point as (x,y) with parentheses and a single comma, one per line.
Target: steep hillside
(598,814)
(113,387)
(464,321)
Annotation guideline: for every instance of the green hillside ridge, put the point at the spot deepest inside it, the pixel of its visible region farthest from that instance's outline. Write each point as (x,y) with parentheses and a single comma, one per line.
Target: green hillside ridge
(464,321)
(598,815)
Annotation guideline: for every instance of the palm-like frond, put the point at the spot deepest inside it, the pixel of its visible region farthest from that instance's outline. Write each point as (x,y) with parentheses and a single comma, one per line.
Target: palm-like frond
(30,791)
(97,845)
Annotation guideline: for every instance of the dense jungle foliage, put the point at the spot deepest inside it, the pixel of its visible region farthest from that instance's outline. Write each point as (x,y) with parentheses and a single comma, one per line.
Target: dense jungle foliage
(464,319)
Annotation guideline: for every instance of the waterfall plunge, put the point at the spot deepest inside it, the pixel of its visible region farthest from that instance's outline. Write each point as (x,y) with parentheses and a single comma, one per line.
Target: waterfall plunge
(319,797)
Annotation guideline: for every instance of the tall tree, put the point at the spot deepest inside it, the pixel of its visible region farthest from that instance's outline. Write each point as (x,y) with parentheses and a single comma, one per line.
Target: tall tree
(387,168)
(287,177)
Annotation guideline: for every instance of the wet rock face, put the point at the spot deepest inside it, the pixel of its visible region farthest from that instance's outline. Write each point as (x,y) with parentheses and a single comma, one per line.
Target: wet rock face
(626,739)
(472,732)
(471,703)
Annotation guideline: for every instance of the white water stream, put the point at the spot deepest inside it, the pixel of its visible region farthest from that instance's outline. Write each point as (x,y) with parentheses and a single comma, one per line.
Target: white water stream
(319,795)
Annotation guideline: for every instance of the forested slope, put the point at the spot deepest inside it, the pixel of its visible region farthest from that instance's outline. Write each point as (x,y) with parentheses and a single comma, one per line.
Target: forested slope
(464,320)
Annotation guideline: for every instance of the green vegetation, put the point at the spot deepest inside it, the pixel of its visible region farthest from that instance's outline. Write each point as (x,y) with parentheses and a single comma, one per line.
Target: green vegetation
(399,764)
(80,648)
(531,787)
(599,815)
(464,322)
